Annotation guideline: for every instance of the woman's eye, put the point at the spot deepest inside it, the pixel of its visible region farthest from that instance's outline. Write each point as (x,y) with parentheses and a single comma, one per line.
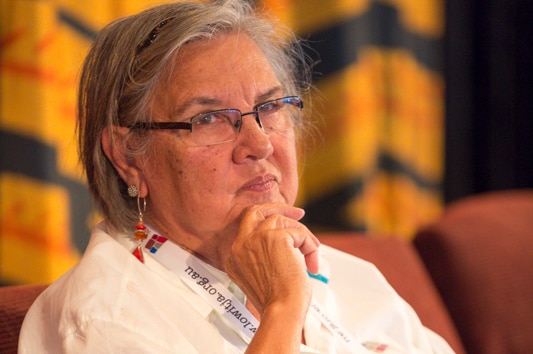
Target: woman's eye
(207,119)
(213,119)
(270,107)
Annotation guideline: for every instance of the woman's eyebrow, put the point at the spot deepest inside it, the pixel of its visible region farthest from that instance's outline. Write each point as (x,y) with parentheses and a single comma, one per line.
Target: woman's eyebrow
(210,101)
(267,95)
(196,101)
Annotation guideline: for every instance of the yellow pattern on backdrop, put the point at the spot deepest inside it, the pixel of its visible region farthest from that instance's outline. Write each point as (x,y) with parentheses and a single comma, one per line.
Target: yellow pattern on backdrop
(42,45)
(383,108)
(385,102)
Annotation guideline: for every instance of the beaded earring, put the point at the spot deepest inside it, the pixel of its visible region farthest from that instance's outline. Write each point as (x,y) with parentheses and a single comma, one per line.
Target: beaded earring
(140,232)
(133,191)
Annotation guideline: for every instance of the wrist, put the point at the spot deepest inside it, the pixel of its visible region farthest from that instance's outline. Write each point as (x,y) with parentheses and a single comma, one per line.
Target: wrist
(280,329)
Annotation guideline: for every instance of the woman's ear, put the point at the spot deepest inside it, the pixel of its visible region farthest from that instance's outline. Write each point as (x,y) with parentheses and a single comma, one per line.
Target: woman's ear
(114,147)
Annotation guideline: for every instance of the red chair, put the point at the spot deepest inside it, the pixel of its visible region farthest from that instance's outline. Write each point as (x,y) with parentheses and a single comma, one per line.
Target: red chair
(480,255)
(14,302)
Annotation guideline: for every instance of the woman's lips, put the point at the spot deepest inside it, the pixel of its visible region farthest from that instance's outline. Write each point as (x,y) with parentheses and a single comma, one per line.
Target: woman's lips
(260,184)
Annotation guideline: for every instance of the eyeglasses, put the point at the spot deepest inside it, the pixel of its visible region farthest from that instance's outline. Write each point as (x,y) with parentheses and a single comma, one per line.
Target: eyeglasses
(221,126)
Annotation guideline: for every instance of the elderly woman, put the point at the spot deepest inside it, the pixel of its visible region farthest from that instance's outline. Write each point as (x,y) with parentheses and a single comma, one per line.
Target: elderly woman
(190,118)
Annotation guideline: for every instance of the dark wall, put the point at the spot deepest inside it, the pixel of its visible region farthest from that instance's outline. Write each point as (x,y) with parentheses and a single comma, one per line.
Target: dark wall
(489,98)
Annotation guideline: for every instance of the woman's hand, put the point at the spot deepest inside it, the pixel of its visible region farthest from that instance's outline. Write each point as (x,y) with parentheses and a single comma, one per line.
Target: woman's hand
(268,262)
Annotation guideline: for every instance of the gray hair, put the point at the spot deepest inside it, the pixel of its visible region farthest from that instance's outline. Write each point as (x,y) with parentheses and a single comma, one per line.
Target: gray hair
(128,61)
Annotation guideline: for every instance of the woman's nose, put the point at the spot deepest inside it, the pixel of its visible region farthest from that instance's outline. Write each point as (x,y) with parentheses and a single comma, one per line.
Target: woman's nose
(252,142)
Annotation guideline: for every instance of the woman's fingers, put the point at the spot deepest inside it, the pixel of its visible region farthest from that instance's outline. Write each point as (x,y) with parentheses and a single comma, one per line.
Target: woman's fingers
(270,254)
(276,216)
(307,244)
(260,212)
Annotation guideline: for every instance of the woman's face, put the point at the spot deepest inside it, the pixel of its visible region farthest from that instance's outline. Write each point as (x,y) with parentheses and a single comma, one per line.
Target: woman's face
(196,194)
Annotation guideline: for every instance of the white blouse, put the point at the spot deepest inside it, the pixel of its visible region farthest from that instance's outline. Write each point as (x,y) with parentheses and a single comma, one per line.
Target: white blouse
(112,303)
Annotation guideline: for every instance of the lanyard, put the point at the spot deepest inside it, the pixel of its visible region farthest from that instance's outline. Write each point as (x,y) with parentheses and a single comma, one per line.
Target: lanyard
(349,342)
(199,279)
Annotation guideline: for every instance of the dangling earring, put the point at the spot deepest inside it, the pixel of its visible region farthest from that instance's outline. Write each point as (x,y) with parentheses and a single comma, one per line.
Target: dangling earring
(140,232)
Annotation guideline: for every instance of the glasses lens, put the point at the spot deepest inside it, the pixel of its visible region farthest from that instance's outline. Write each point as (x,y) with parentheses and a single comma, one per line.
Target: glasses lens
(215,127)
(221,126)
(281,114)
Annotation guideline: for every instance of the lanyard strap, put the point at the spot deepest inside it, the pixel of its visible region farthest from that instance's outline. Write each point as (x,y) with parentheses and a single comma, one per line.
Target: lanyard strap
(348,341)
(199,279)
